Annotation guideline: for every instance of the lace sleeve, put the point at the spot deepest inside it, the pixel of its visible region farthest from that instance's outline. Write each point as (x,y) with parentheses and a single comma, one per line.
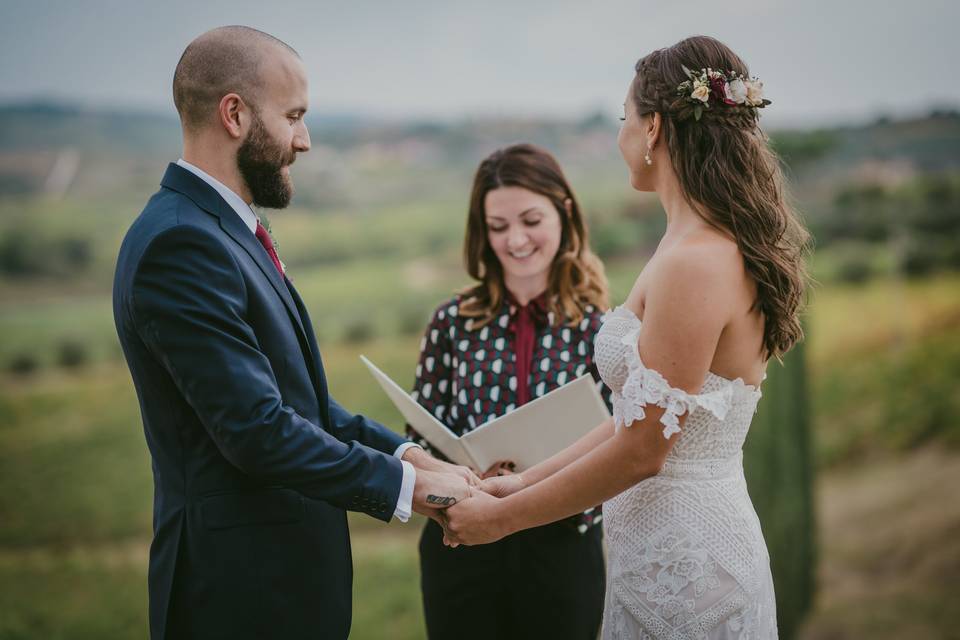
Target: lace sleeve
(647,386)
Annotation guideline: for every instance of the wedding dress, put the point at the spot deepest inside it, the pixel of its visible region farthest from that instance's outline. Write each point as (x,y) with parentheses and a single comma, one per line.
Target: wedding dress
(686,557)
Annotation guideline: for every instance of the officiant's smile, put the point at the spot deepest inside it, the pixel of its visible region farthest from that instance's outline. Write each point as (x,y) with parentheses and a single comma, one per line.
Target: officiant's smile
(524,231)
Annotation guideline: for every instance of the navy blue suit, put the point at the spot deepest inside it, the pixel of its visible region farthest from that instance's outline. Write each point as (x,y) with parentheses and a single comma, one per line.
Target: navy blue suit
(254,464)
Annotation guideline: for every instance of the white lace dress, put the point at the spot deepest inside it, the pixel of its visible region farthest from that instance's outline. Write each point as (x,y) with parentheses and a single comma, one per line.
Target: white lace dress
(686,557)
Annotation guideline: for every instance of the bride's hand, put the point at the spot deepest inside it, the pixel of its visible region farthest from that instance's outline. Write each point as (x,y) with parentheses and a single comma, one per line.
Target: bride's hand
(476,520)
(503,484)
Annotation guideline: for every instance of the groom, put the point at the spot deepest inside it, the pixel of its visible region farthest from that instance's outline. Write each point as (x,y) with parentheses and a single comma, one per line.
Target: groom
(254,464)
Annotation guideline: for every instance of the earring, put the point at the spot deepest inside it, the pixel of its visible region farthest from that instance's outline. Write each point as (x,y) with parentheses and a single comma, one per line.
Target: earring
(647,156)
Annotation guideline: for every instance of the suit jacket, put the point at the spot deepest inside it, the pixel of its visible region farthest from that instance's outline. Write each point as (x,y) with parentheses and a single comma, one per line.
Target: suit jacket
(254,464)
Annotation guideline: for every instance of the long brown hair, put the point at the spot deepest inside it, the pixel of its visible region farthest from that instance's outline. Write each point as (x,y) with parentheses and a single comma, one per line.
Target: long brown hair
(576,275)
(732,178)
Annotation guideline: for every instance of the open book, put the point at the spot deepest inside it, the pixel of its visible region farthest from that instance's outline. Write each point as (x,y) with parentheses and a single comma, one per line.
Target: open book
(527,435)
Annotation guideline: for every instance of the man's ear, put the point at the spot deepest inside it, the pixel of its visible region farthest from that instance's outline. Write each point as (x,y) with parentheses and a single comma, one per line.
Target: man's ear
(234,115)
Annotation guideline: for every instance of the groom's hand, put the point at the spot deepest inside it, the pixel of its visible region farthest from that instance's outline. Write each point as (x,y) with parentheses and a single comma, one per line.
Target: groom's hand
(424,461)
(435,491)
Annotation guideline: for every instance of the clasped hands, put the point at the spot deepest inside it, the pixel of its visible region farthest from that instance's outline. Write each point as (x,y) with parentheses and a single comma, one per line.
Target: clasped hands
(468,507)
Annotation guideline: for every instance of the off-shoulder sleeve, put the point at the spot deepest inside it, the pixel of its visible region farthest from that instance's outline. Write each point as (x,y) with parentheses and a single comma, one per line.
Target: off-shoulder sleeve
(646,386)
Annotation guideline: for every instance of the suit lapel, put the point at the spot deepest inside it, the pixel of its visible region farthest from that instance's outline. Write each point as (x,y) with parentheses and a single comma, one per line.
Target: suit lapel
(235,228)
(207,198)
(321,379)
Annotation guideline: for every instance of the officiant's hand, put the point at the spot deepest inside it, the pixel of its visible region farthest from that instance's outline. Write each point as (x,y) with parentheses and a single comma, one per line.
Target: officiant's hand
(474,521)
(423,460)
(501,468)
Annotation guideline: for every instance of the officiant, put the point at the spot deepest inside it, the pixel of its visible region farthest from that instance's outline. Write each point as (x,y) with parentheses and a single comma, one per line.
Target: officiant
(525,328)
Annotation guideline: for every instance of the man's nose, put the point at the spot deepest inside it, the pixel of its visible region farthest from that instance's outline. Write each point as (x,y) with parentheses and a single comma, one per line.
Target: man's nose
(301,140)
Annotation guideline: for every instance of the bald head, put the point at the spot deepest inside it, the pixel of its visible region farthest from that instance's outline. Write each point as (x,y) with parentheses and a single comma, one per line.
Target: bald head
(221,61)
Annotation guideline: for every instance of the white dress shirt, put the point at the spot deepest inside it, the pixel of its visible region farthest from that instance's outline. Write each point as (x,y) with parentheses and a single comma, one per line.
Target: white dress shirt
(250,219)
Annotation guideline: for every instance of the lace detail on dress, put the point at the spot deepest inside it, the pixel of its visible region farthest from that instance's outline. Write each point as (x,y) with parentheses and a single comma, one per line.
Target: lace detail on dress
(685,554)
(645,386)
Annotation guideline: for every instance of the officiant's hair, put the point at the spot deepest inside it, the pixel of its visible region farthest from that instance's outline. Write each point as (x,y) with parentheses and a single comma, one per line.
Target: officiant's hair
(221,61)
(732,178)
(576,277)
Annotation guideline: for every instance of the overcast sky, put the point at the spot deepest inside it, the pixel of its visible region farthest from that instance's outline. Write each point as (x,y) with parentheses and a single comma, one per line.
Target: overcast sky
(842,60)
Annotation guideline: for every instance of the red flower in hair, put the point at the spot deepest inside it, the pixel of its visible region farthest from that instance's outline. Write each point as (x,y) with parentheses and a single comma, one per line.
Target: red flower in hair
(718,89)
(708,86)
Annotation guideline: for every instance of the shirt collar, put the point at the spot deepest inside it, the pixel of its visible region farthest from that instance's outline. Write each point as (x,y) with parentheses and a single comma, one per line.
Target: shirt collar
(540,302)
(538,308)
(236,202)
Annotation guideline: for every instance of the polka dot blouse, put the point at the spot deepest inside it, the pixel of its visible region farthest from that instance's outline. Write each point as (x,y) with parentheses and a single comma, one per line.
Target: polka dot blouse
(468,377)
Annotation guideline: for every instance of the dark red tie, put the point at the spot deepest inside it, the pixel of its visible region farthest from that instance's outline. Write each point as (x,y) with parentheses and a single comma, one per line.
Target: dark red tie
(264,237)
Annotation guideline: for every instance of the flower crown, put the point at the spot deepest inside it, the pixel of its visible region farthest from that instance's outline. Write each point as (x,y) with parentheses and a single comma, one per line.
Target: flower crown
(709,86)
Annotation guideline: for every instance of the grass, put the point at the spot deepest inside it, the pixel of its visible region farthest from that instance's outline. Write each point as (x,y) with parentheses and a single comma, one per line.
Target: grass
(890,400)
(101,592)
(890,550)
(39,328)
(77,595)
(75,469)
(848,320)
(386,564)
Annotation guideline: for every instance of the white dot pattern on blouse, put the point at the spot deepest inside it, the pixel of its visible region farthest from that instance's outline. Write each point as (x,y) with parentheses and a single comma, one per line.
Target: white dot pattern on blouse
(472,373)
(468,377)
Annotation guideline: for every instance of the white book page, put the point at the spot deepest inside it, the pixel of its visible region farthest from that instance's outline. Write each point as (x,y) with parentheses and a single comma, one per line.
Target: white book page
(436,433)
(539,429)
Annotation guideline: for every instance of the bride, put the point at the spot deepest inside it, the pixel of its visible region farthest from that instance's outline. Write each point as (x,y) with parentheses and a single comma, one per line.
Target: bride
(684,356)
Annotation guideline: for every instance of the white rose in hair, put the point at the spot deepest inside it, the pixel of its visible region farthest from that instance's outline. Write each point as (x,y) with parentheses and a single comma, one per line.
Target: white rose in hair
(736,91)
(701,92)
(754,92)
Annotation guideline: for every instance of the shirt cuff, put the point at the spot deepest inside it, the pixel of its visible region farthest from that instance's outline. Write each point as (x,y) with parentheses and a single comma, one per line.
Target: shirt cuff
(403,449)
(405,501)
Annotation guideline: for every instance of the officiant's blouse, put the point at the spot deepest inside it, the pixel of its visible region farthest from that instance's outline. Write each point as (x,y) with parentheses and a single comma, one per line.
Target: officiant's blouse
(467,377)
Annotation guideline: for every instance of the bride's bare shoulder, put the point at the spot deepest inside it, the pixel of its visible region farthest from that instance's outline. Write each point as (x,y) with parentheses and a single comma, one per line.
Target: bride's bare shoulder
(705,268)
(706,257)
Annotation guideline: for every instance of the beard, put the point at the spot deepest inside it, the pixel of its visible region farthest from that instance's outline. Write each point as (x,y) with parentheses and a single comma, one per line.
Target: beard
(260,160)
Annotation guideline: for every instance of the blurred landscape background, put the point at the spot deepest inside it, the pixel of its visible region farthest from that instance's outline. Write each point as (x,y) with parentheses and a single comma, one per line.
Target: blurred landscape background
(373,244)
